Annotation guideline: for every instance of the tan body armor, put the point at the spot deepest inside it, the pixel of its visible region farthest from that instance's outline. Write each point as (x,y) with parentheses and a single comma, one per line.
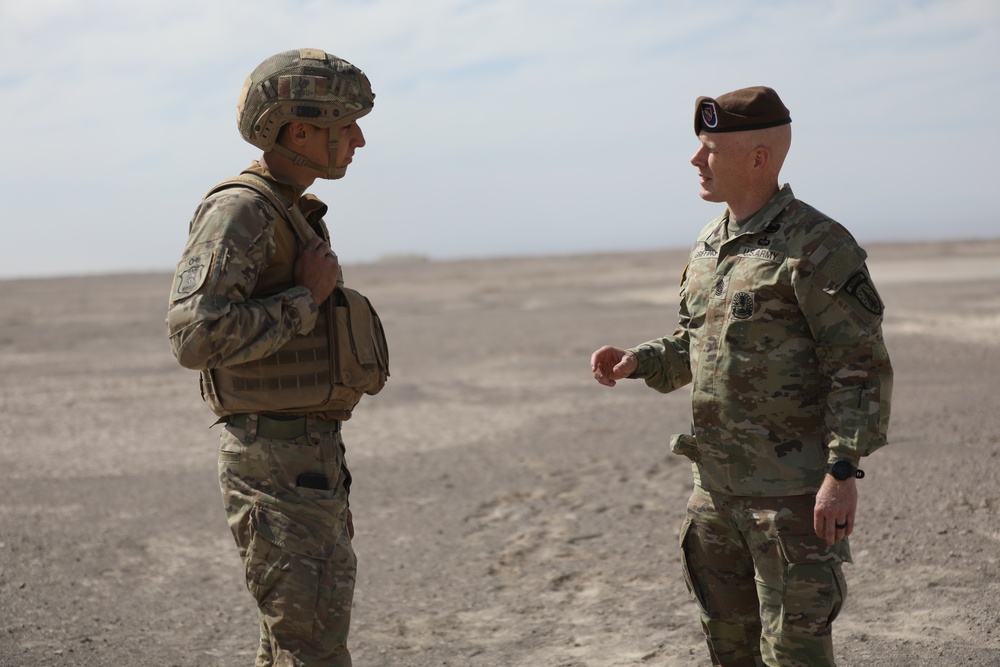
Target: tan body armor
(324,372)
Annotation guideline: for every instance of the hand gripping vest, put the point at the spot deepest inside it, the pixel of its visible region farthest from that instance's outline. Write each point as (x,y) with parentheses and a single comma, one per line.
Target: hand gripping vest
(327,370)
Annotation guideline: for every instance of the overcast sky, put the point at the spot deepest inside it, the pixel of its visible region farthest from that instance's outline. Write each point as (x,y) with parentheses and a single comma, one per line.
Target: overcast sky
(501,127)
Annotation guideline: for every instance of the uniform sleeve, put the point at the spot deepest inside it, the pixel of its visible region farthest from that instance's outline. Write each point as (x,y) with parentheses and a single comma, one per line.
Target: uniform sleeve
(844,312)
(665,363)
(212,320)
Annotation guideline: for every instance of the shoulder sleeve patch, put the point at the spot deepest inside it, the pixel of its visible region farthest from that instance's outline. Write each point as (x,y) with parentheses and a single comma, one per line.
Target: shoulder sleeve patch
(860,287)
(191,274)
(839,264)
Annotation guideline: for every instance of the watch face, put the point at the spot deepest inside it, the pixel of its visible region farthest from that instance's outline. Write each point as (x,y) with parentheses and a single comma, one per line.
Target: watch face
(841,470)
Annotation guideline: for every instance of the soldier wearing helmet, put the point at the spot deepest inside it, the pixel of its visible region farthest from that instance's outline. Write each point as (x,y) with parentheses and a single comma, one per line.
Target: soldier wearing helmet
(285,350)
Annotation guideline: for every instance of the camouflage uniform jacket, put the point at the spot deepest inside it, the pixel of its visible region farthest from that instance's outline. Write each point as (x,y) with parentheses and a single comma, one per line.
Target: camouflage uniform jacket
(239,302)
(780,333)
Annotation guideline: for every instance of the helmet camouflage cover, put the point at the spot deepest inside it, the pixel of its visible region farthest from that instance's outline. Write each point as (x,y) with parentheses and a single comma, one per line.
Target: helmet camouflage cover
(305,85)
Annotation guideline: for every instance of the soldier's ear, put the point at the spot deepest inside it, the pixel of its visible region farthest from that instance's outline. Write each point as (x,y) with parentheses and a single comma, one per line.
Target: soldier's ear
(761,155)
(295,133)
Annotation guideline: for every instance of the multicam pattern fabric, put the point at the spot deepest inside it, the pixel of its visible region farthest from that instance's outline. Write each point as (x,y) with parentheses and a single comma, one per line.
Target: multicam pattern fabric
(260,342)
(307,85)
(237,248)
(234,305)
(780,333)
(293,541)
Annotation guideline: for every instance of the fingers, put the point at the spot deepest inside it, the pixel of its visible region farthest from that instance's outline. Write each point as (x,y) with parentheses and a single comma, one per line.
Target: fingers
(832,529)
(314,244)
(826,531)
(624,367)
(603,363)
(317,268)
(318,246)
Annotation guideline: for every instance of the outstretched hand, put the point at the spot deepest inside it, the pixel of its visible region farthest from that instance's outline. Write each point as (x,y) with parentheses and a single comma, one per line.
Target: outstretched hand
(611,364)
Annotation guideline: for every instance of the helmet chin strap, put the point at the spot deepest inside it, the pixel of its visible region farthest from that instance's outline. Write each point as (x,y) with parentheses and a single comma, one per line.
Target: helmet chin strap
(331,172)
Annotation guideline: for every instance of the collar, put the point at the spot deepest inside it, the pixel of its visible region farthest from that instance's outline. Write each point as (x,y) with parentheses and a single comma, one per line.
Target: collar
(312,207)
(716,234)
(759,221)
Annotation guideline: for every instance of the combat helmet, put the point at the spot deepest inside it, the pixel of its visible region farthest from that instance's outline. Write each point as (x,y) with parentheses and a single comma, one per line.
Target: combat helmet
(305,85)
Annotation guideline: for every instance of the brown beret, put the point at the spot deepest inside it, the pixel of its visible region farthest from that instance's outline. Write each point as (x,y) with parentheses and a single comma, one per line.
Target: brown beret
(744,109)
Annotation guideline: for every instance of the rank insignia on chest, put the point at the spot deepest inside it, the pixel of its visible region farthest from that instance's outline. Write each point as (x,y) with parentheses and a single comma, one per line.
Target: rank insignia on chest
(719,289)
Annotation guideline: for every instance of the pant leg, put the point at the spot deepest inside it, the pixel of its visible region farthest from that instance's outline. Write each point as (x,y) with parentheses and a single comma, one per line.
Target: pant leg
(300,566)
(265,658)
(800,581)
(719,572)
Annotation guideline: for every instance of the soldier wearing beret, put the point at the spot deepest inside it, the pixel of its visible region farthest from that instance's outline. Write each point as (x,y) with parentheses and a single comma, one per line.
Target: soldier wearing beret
(285,351)
(780,335)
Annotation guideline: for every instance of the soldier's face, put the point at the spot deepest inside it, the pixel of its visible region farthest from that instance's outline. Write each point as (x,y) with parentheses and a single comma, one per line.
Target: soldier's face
(317,143)
(349,139)
(724,164)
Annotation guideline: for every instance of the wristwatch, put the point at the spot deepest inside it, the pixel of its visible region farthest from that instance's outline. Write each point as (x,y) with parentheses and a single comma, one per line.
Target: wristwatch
(842,470)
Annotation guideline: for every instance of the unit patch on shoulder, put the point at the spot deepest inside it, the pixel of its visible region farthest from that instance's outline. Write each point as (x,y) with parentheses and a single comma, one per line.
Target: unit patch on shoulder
(191,275)
(861,289)
(743,305)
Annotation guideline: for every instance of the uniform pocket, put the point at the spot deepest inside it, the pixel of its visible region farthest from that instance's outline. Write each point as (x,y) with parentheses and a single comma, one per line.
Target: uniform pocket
(685,444)
(813,590)
(297,534)
(281,557)
(686,562)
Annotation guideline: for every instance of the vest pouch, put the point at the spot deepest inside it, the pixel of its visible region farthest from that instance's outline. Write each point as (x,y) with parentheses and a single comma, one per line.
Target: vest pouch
(360,351)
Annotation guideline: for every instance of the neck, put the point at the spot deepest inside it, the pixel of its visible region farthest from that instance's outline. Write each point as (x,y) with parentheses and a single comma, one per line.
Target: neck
(286,171)
(753,201)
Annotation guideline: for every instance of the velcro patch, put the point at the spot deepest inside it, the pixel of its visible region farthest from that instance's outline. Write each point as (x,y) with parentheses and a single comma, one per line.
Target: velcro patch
(720,288)
(191,275)
(312,54)
(743,305)
(762,253)
(301,87)
(838,264)
(861,289)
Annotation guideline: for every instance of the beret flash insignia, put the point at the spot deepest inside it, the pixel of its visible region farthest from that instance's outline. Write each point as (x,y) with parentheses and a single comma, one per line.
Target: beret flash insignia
(708,114)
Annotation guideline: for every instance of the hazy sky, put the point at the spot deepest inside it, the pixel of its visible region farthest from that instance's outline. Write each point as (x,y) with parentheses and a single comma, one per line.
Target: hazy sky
(501,127)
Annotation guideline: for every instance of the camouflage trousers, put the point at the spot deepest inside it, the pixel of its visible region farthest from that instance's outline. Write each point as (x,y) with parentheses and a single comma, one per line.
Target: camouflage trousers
(768,588)
(292,534)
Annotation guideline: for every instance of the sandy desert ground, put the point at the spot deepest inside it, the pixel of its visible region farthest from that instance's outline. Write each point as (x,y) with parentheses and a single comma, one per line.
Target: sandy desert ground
(509,510)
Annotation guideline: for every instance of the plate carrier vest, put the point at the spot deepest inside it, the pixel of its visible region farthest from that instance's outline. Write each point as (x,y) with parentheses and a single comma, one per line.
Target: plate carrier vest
(326,370)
